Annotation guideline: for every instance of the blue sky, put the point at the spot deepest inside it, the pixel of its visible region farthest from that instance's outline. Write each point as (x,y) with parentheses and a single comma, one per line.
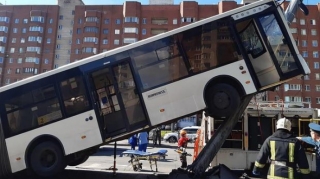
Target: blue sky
(105,2)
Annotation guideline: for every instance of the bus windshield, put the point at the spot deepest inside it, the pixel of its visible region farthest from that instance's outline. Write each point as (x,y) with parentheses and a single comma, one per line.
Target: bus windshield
(278,43)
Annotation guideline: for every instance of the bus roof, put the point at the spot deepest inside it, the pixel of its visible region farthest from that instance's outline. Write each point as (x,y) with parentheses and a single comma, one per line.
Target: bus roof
(130,46)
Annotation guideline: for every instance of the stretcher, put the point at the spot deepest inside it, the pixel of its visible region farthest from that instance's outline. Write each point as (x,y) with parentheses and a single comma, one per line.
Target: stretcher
(152,157)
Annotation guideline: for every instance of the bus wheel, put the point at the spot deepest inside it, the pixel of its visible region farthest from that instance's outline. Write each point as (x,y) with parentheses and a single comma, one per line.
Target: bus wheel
(79,161)
(222,99)
(47,159)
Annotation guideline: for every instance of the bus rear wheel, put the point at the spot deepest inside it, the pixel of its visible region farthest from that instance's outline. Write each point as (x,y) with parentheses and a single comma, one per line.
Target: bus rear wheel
(46,159)
(222,100)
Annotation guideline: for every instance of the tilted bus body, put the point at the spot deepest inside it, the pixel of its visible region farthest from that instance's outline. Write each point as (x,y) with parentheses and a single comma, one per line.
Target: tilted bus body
(65,114)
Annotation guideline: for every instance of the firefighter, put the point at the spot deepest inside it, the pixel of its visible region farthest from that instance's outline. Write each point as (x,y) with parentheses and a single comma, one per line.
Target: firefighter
(285,152)
(314,140)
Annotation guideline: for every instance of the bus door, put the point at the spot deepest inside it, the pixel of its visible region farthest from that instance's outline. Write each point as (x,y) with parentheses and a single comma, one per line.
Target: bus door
(116,99)
(266,48)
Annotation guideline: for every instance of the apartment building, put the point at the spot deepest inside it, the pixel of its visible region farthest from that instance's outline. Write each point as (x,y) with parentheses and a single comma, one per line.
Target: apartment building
(72,31)
(27,41)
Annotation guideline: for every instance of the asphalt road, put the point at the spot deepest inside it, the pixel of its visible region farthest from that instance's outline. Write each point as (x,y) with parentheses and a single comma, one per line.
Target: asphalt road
(104,159)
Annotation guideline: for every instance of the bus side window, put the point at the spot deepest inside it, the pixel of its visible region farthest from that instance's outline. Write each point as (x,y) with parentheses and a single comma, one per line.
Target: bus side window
(74,96)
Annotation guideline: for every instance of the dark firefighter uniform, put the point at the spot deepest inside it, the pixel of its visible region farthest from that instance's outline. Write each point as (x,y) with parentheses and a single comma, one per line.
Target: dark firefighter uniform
(285,152)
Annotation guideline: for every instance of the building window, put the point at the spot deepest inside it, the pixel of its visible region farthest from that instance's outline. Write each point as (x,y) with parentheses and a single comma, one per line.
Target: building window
(144,31)
(51,21)
(106,21)
(116,42)
(315,54)
(24,30)
(77,51)
(48,40)
(9,71)
(37,19)
(21,50)
(304,53)
(118,21)
(313,22)
(116,31)
(317,87)
(302,22)
(314,43)
(11,50)
(175,21)
(306,77)
(78,30)
(18,70)
(307,99)
(15,30)
(77,41)
(4,29)
(49,30)
(105,41)
(303,32)
(46,61)
(61,17)
(60,27)
(58,46)
(316,65)
(14,40)
(105,31)
(79,21)
(59,37)
(1,59)
(22,40)
(131,19)
(25,21)
(16,21)
(10,60)
(313,32)
(188,19)
(91,19)
(72,12)
(144,21)
(317,100)
(307,87)
(130,30)
(129,40)
(317,75)
(57,56)
(293,30)
(276,98)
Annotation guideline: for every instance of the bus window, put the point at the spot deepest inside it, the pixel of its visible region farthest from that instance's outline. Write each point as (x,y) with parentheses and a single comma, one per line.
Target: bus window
(165,61)
(74,97)
(41,108)
(209,46)
(251,40)
(278,43)
(129,95)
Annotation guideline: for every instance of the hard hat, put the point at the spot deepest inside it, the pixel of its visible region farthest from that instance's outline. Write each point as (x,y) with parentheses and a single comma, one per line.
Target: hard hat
(183,132)
(284,123)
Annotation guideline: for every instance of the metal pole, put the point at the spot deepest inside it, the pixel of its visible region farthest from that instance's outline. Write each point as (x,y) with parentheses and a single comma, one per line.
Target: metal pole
(114,158)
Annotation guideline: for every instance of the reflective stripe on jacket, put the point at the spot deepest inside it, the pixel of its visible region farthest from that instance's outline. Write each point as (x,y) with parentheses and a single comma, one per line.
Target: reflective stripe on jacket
(285,152)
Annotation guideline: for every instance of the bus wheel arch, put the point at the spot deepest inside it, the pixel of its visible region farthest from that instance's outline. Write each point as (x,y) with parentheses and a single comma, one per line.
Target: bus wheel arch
(222,96)
(49,147)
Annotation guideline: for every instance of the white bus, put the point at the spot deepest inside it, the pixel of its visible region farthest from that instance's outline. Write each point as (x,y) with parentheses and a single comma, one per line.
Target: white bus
(61,117)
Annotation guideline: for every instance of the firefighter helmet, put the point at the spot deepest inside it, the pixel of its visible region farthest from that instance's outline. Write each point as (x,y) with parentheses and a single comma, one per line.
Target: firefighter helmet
(284,123)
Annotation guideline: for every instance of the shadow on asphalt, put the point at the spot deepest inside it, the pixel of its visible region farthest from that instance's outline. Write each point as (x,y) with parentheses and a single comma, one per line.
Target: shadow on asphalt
(85,174)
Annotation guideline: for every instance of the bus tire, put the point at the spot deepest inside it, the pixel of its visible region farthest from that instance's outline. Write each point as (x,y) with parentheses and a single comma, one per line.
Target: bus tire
(223,99)
(47,159)
(79,161)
